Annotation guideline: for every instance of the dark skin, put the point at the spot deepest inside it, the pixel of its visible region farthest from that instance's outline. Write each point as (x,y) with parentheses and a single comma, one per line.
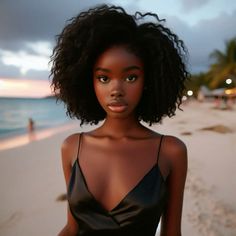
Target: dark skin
(125,150)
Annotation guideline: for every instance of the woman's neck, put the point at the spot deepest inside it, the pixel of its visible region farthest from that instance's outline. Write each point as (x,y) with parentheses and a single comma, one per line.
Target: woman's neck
(119,128)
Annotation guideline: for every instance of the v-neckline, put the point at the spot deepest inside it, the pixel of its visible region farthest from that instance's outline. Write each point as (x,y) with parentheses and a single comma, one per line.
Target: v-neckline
(126,195)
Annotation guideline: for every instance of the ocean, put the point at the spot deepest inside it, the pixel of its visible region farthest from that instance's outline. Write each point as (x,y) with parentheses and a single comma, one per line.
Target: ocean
(15,114)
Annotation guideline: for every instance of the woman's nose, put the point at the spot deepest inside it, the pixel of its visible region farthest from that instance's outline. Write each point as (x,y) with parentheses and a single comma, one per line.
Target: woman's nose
(117,89)
(116,93)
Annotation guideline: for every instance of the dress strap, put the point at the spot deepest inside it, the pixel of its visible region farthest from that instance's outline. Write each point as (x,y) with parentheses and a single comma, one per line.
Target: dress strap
(159,149)
(79,144)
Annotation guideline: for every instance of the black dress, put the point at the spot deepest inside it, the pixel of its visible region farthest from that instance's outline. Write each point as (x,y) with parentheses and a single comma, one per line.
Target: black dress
(138,213)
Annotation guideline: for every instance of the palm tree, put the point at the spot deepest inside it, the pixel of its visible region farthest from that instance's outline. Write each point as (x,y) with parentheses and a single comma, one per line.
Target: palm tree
(224,66)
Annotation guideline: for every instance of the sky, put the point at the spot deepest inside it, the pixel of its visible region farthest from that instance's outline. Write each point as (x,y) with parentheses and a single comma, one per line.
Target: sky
(28,29)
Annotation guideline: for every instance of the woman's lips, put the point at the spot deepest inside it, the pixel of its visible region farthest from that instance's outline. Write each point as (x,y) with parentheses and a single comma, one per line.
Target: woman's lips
(117,107)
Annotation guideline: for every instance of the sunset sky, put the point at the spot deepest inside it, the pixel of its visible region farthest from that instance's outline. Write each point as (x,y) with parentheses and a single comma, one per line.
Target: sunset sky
(24,88)
(28,29)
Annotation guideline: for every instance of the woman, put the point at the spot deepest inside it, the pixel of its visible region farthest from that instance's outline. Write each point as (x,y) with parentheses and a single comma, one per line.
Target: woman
(122,176)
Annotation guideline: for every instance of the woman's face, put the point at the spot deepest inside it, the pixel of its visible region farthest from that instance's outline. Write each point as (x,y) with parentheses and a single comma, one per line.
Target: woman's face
(118,78)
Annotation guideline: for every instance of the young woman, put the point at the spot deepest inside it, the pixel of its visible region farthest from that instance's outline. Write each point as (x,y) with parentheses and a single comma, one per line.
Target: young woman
(121,177)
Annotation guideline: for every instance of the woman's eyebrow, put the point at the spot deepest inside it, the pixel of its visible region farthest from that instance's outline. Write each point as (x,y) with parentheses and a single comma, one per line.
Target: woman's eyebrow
(132,68)
(124,70)
(102,69)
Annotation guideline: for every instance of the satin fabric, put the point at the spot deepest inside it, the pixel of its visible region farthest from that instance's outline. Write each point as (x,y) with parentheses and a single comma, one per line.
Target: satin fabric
(138,213)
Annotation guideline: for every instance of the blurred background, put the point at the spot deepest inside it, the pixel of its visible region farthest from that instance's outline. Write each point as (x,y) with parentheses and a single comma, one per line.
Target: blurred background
(29,115)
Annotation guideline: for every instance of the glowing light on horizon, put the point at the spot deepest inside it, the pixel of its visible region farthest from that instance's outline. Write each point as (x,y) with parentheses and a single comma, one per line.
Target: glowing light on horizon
(4,85)
(24,88)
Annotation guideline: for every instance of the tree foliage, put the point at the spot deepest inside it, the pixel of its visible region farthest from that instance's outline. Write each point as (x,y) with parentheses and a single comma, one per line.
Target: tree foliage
(223,67)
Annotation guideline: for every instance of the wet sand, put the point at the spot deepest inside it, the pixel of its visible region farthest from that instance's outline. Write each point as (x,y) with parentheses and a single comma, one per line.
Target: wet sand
(32,184)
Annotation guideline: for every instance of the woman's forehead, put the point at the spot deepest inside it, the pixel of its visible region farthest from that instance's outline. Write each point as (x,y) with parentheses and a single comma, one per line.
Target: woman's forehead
(119,55)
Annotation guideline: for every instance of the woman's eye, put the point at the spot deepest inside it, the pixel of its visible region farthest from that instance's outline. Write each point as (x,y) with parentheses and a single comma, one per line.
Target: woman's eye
(103,79)
(131,78)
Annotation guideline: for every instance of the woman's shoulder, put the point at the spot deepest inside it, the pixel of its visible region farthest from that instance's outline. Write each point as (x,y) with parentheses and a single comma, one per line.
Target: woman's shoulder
(70,140)
(174,143)
(69,147)
(174,150)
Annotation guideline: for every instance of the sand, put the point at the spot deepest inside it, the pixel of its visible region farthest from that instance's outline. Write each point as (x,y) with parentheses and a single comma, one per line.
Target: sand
(32,184)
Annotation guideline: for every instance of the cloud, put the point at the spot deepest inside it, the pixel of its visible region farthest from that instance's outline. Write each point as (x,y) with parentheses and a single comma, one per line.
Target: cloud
(40,48)
(204,37)
(23,20)
(191,5)
(28,32)
(33,61)
(24,61)
(209,35)
(8,71)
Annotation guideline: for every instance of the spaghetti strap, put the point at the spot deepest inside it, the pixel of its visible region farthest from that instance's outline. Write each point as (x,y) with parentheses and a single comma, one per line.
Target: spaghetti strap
(159,149)
(79,144)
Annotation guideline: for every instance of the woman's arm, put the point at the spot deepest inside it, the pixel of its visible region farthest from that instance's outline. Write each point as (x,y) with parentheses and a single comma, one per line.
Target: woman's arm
(176,153)
(68,155)
(71,228)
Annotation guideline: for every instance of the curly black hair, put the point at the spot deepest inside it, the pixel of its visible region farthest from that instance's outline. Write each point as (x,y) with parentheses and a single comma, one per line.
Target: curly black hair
(90,33)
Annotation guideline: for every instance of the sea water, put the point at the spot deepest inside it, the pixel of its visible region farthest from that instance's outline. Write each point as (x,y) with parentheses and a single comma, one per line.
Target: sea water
(15,114)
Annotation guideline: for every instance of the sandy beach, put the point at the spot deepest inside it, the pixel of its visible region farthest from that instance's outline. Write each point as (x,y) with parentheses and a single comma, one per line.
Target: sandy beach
(31,177)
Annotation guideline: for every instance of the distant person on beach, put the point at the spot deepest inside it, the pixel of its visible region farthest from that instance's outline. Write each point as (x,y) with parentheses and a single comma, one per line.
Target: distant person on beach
(121,177)
(30,125)
(31,129)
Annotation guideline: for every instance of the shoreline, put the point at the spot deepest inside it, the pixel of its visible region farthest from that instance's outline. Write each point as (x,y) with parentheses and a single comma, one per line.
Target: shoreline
(18,140)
